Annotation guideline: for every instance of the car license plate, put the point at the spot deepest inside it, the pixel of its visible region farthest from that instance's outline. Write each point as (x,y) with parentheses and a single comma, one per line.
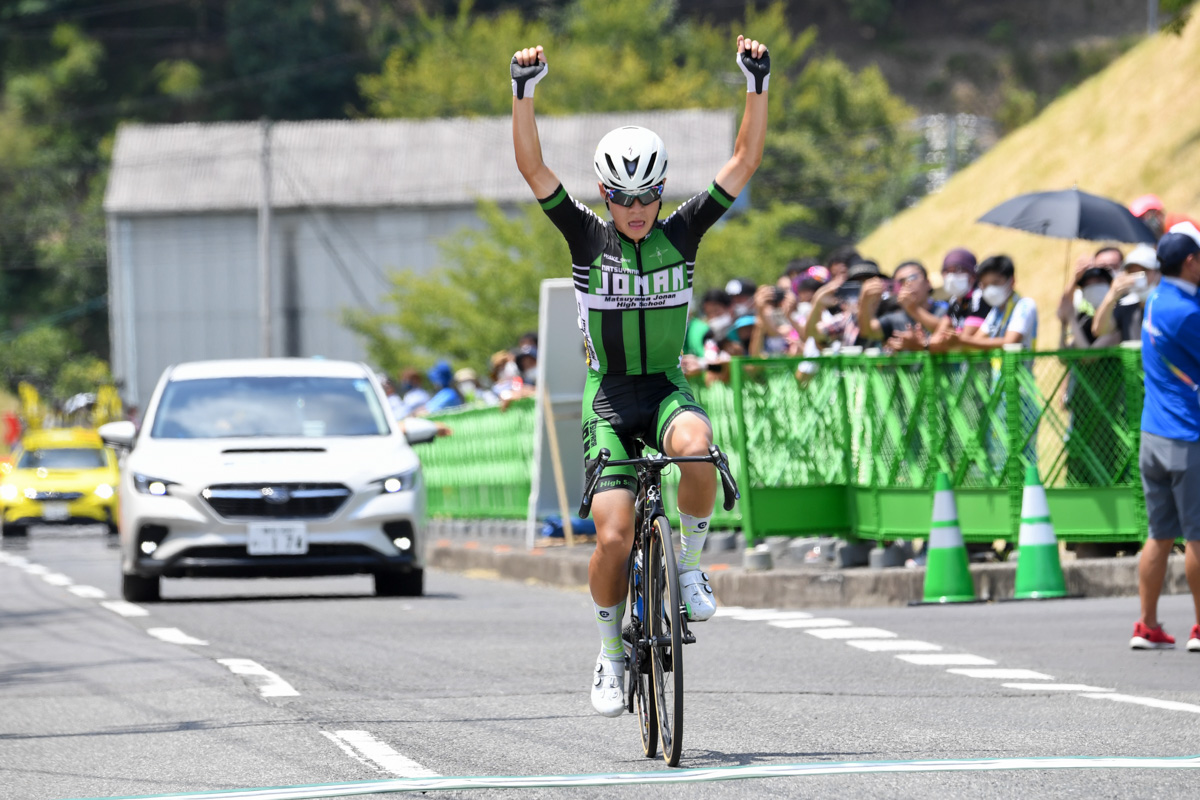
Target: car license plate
(55,512)
(276,539)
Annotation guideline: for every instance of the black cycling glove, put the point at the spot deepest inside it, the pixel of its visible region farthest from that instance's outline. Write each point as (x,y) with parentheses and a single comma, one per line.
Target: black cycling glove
(757,71)
(525,78)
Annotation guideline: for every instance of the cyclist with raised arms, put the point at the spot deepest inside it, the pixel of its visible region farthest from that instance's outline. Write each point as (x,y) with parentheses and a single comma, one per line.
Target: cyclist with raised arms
(633,283)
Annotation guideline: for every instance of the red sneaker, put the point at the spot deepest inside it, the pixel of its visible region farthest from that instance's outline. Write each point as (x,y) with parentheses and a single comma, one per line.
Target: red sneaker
(1194,639)
(1156,638)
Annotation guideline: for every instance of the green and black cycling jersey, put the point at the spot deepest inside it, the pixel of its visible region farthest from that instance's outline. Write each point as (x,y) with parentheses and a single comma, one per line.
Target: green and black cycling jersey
(633,296)
(633,301)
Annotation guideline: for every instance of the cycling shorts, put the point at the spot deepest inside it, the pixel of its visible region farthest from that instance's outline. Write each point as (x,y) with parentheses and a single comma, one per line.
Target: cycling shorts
(617,409)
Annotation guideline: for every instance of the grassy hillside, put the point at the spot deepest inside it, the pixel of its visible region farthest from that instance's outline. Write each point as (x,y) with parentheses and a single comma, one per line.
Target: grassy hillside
(1131,129)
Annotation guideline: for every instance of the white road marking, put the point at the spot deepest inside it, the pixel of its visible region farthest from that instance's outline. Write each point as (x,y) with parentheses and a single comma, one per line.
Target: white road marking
(1152,702)
(728,611)
(35,569)
(174,636)
(383,755)
(892,645)
(1004,674)
(57,579)
(1055,687)
(768,615)
(819,622)
(852,633)
(946,659)
(125,609)
(271,686)
(89,592)
(347,749)
(18,561)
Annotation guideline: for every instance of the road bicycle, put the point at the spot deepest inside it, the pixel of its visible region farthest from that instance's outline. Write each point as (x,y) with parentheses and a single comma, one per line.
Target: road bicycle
(658,626)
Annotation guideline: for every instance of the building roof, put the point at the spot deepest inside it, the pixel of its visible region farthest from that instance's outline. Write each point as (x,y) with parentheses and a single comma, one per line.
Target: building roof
(164,169)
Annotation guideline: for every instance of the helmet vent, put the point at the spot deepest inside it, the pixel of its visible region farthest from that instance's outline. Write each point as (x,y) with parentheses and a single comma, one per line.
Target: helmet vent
(650,164)
(630,166)
(611,166)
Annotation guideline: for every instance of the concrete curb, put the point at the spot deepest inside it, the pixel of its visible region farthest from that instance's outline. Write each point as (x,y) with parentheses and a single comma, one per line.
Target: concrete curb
(799,588)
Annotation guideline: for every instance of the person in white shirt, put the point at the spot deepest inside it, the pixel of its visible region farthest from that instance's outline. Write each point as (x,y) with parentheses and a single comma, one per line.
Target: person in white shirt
(1013,319)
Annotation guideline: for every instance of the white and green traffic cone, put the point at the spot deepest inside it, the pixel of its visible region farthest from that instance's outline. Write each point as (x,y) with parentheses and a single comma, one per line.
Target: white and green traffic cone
(1039,572)
(947,575)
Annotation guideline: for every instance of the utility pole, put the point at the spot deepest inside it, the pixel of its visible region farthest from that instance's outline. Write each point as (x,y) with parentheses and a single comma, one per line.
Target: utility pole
(264,242)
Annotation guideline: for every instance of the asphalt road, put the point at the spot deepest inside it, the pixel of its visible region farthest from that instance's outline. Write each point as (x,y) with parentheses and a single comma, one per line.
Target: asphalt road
(324,683)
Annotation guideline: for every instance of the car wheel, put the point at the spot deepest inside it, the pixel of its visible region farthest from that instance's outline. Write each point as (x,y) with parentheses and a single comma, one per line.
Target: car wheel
(400,584)
(13,531)
(137,589)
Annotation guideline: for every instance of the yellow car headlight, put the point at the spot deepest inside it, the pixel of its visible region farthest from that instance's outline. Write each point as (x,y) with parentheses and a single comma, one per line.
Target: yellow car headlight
(9,492)
(104,491)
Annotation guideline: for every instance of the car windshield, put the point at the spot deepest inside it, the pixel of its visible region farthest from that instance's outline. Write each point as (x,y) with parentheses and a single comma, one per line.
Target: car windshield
(222,408)
(63,458)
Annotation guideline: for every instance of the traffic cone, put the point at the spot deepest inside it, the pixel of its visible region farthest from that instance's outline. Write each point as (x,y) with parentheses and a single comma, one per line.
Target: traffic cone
(1039,573)
(947,576)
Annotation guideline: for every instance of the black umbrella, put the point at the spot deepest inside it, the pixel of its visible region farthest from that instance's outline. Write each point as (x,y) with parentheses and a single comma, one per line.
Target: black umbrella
(1070,214)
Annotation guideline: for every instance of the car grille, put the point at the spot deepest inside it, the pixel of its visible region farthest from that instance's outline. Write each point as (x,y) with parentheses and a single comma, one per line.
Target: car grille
(276,501)
(52,496)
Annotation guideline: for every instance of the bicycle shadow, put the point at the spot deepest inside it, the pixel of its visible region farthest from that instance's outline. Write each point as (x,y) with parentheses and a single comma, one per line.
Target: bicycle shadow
(694,759)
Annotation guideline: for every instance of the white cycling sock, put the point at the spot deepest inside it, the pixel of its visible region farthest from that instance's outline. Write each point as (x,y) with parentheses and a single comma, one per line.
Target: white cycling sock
(692,532)
(609,622)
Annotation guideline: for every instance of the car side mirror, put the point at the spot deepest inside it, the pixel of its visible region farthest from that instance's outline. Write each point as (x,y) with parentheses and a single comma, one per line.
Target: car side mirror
(418,430)
(118,434)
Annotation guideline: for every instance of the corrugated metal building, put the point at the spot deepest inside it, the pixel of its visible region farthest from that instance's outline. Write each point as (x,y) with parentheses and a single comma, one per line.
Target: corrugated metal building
(351,202)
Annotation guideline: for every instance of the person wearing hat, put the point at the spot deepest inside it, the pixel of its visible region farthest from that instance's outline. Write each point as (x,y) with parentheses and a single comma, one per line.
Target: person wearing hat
(840,298)
(1121,308)
(1093,283)
(741,295)
(1149,209)
(441,375)
(1170,449)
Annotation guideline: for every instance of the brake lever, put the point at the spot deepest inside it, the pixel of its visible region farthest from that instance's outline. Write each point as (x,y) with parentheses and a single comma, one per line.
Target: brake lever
(728,485)
(591,479)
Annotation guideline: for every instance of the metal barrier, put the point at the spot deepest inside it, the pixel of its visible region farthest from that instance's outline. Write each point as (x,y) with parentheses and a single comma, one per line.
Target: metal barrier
(851,445)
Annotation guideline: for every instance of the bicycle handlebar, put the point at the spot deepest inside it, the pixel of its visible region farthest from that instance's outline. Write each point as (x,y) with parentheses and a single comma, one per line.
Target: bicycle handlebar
(714,457)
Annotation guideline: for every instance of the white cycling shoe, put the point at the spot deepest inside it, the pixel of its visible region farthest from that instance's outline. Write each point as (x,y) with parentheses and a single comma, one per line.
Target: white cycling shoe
(697,595)
(608,687)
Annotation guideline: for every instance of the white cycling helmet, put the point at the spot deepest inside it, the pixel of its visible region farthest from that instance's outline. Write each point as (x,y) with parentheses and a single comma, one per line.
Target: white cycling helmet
(631,159)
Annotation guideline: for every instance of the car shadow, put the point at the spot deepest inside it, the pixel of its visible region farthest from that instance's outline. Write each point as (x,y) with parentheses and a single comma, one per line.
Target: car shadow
(715,758)
(280,598)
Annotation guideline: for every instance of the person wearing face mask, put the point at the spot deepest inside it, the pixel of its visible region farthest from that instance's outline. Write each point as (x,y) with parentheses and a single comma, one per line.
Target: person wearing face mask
(713,322)
(525,357)
(1013,319)
(1120,310)
(1093,285)
(967,308)
(741,295)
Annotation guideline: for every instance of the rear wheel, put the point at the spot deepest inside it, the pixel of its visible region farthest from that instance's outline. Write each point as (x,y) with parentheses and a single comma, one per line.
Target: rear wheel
(666,654)
(639,670)
(400,584)
(137,589)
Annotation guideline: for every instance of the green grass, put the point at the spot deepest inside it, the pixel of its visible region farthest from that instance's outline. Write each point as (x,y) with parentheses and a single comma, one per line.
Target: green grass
(1130,129)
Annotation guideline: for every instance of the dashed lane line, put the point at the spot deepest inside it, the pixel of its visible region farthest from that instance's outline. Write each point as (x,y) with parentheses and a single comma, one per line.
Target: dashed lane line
(87,592)
(851,633)
(381,754)
(768,616)
(57,579)
(819,622)
(946,659)
(893,645)
(125,608)
(1001,673)
(1055,687)
(175,636)
(269,684)
(1152,702)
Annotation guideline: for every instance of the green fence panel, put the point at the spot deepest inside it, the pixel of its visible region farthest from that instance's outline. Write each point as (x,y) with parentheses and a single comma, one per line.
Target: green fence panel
(484,468)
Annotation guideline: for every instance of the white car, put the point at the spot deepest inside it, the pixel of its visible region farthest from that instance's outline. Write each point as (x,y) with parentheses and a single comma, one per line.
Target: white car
(270,468)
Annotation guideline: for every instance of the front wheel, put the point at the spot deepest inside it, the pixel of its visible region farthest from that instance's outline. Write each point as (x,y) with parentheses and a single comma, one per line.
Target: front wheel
(137,589)
(666,630)
(638,668)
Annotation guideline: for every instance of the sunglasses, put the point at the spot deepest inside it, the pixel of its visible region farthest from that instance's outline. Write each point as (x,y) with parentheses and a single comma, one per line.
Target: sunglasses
(626,200)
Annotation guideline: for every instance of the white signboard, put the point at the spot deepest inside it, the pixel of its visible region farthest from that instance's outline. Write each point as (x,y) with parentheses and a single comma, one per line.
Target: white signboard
(561,370)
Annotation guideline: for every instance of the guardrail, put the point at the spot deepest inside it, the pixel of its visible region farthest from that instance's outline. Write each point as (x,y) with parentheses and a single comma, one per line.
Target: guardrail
(851,445)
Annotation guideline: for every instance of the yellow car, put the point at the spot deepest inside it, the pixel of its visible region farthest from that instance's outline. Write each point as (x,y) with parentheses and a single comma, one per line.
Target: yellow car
(63,476)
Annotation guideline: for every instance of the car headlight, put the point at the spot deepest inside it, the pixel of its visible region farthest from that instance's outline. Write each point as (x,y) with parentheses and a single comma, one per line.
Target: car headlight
(155,486)
(9,492)
(400,482)
(104,491)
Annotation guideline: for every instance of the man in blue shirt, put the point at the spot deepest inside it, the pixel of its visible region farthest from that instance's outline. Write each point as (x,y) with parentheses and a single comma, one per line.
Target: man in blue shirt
(1170,452)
